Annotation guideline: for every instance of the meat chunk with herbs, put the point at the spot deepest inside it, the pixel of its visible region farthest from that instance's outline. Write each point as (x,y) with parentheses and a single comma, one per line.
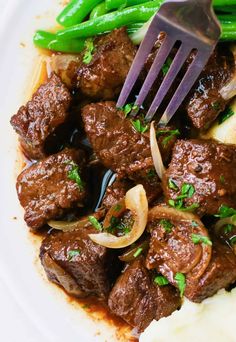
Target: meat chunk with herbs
(48,188)
(200,176)
(79,265)
(138,300)
(39,118)
(220,273)
(116,192)
(104,75)
(205,100)
(174,246)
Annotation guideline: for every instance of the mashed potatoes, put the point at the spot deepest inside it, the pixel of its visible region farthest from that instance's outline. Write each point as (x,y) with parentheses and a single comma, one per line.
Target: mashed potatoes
(214,320)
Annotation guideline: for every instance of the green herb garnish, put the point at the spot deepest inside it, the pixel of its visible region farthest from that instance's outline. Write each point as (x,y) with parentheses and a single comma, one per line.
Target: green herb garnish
(116,224)
(72,253)
(194,224)
(167,225)
(172,185)
(166,66)
(196,238)
(233,240)
(151,173)
(215,106)
(187,191)
(225,211)
(138,252)
(170,134)
(89,49)
(222,179)
(161,280)
(95,223)
(117,207)
(228,228)
(127,109)
(74,175)
(139,126)
(181,282)
(226,114)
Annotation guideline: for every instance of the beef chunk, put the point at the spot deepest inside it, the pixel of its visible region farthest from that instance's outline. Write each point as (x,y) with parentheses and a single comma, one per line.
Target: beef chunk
(89,269)
(220,273)
(116,192)
(137,300)
(205,102)
(47,188)
(104,76)
(35,121)
(210,167)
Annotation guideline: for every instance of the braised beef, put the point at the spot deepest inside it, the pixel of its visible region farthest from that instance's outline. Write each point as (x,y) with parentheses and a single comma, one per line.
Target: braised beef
(104,76)
(205,102)
(138,300)
(209,167)
(220,273)
(46,189)
(116,192)
(89,269)
(39,118)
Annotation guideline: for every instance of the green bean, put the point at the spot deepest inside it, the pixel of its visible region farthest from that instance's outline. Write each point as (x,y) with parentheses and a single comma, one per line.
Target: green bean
(99,10)
(224,3)
(116,4)
(111,21)
(48,40)
(132,28)
(75,12)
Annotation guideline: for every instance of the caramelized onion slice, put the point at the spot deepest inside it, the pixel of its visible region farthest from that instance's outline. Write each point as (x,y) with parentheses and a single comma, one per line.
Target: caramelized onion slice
(66,226)
(136,202)
(161,212)
(155,151)
(224,221)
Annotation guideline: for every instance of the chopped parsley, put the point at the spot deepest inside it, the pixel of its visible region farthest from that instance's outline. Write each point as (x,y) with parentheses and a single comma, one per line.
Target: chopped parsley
(181,282)
(167,225)
(72,253)
(225,211)
(194,224)
(74,175)
(95,223)
(89,49)
(170,134)
(172,185)
(233,240)
(139,126)
(86,306)
(138,252)
(116,224)
(187,191)
(166,66)
(226,114)
(222,179)
(151,173)
(228,228)
(215,105)
(127,109)
(161,280)
(196,238)
(117,207)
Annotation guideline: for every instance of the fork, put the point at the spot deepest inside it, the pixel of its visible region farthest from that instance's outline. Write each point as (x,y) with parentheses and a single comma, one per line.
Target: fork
(192,23)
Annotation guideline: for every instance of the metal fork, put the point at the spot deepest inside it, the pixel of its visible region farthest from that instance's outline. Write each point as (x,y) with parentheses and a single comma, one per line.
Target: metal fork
(193,24)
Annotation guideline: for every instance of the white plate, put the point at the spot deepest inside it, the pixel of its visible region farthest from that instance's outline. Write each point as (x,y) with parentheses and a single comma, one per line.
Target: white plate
(45,308)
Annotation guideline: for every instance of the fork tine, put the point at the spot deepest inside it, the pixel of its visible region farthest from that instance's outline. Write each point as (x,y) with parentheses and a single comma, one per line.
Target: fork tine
(155,69)
(186,84)
(140,58)
(175,67)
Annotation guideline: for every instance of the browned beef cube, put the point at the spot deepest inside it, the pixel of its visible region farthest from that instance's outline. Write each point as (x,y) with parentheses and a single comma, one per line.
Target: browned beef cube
(35,121)
(138,300)
(104,76)
(116,192)
(47,188)
(207,165)
(205,102)
(89,269)
(220,273)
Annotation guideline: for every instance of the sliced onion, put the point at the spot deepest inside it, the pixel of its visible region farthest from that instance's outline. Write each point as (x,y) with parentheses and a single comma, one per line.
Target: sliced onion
(161,212)
(129,255)
(66,226)
(136,202)
(156,154)
(224,221)
(229,90)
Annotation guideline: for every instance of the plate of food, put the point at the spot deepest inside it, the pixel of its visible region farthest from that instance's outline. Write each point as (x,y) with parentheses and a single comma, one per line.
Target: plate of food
(114,227)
